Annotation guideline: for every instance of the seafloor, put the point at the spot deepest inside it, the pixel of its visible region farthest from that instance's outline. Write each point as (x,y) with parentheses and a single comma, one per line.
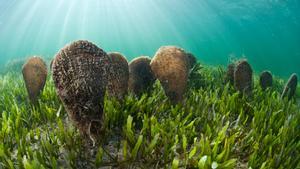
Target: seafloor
(215,127)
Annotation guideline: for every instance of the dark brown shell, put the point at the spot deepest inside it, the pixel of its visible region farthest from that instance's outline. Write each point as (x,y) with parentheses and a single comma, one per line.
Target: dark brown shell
(141,77)
(170,66)
(118,77)
(243,81)
(265,80)
(51,63)
(35,75)
(229,77)
(80,77)
(192,60)
(290,87)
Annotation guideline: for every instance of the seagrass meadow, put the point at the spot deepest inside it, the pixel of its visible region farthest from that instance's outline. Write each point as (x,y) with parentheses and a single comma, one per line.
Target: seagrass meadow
(149,84)
(215,127)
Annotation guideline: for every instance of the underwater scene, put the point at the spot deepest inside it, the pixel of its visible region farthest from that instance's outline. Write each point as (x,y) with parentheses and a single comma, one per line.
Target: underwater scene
(208,84)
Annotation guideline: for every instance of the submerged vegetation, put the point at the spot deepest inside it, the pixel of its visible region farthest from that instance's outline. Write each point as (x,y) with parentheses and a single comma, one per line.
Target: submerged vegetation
(215,127)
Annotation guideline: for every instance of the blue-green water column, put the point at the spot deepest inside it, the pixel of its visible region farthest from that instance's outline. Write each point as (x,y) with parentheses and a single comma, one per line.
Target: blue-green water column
(267,32)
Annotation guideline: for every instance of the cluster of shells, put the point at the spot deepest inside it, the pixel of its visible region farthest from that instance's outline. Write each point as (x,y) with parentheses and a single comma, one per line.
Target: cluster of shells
(240,74)
(83,73)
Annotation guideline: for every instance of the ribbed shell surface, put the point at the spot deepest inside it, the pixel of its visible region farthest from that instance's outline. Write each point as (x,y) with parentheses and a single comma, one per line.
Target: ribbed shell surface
(119,75)
(141,77)
(80,75)
(170,66)
(230,74)
(290,87)
(265,80)
(243,77)
(35,75)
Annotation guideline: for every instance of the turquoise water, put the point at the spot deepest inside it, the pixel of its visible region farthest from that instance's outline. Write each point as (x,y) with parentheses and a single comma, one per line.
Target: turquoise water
(267,32)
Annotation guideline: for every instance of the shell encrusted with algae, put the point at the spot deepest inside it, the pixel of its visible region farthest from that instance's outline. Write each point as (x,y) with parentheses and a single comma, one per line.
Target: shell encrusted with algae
(118,76)
(192,60)
(243,80)
(141,77)
(35,75)
(51,63)
(229,77)
(80,75)
(290,87)
(170,66)
(265,80)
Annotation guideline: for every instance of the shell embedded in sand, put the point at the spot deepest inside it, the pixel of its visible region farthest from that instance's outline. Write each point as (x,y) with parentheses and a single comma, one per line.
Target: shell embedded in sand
(290,87)
(170,66)
(141,77)
(265,80)
(119,75)
(192,60)
(243,81)
(229,77)
(80,75)
(35,75)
